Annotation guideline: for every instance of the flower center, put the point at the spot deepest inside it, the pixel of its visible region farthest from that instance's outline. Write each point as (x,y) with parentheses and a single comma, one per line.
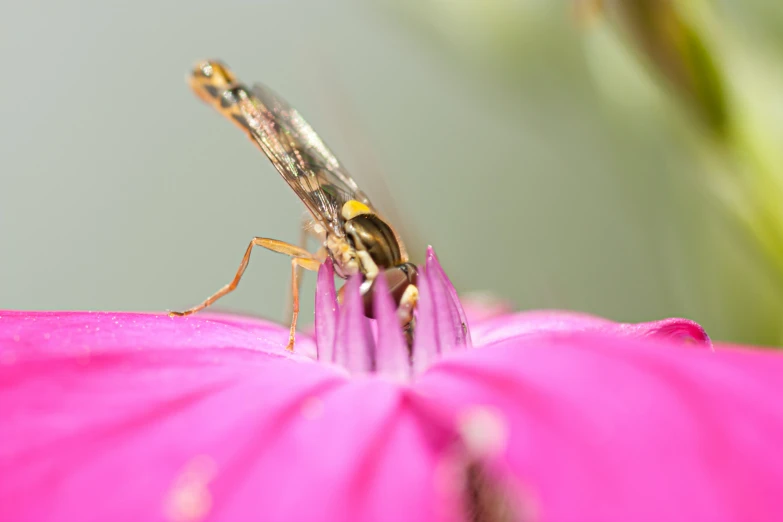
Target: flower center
(346,336)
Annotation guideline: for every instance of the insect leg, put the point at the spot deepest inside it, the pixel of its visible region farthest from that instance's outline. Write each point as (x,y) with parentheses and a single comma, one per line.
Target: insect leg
(306,231)
(296,263)
(270,244)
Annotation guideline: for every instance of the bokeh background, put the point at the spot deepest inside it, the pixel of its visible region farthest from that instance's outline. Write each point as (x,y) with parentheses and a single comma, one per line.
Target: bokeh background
(620,158)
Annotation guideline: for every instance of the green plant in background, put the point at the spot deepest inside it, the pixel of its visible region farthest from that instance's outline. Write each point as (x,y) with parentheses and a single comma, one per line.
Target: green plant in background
(683,73)
(677,51)
(719,89)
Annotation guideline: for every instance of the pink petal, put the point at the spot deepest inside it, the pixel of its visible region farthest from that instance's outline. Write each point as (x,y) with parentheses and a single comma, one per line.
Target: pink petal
(354,347)
(45,334)
(141,417)
(510,326)
(480,306)
(391,353)
(620,428)
(170,419)
(425,341)
(325,311)
(452,323)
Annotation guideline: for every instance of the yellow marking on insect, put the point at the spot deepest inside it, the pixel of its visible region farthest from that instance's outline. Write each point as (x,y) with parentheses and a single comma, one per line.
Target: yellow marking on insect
(353,208)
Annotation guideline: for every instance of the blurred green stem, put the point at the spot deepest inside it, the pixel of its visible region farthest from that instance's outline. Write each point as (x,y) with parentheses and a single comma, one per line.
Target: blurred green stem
(675,48)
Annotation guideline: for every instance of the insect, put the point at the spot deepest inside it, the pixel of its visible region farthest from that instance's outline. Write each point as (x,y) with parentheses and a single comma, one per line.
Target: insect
(350,230)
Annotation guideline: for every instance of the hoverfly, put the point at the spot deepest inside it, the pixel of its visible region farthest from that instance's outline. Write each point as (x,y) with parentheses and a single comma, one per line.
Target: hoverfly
(351,232)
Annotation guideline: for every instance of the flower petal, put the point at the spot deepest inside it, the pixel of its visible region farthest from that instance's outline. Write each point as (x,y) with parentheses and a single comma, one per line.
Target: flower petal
(536,322)
(450,320)
(391,353)
(480,306)
(325,311)
(607,427)
(354,346)
(46,334)
(187,420)
(426,346)
(675,328)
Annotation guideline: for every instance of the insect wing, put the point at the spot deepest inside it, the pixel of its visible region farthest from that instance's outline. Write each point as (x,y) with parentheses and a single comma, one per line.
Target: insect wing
(301,157)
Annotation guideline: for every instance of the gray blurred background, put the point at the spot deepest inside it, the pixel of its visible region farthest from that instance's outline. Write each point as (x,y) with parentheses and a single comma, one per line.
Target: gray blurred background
(121,191)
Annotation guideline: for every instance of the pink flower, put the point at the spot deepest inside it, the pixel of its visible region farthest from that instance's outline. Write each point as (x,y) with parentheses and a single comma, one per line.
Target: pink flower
(532,416)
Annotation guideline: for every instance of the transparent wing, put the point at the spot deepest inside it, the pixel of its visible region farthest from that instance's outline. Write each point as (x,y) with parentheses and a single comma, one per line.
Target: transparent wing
(301,157)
